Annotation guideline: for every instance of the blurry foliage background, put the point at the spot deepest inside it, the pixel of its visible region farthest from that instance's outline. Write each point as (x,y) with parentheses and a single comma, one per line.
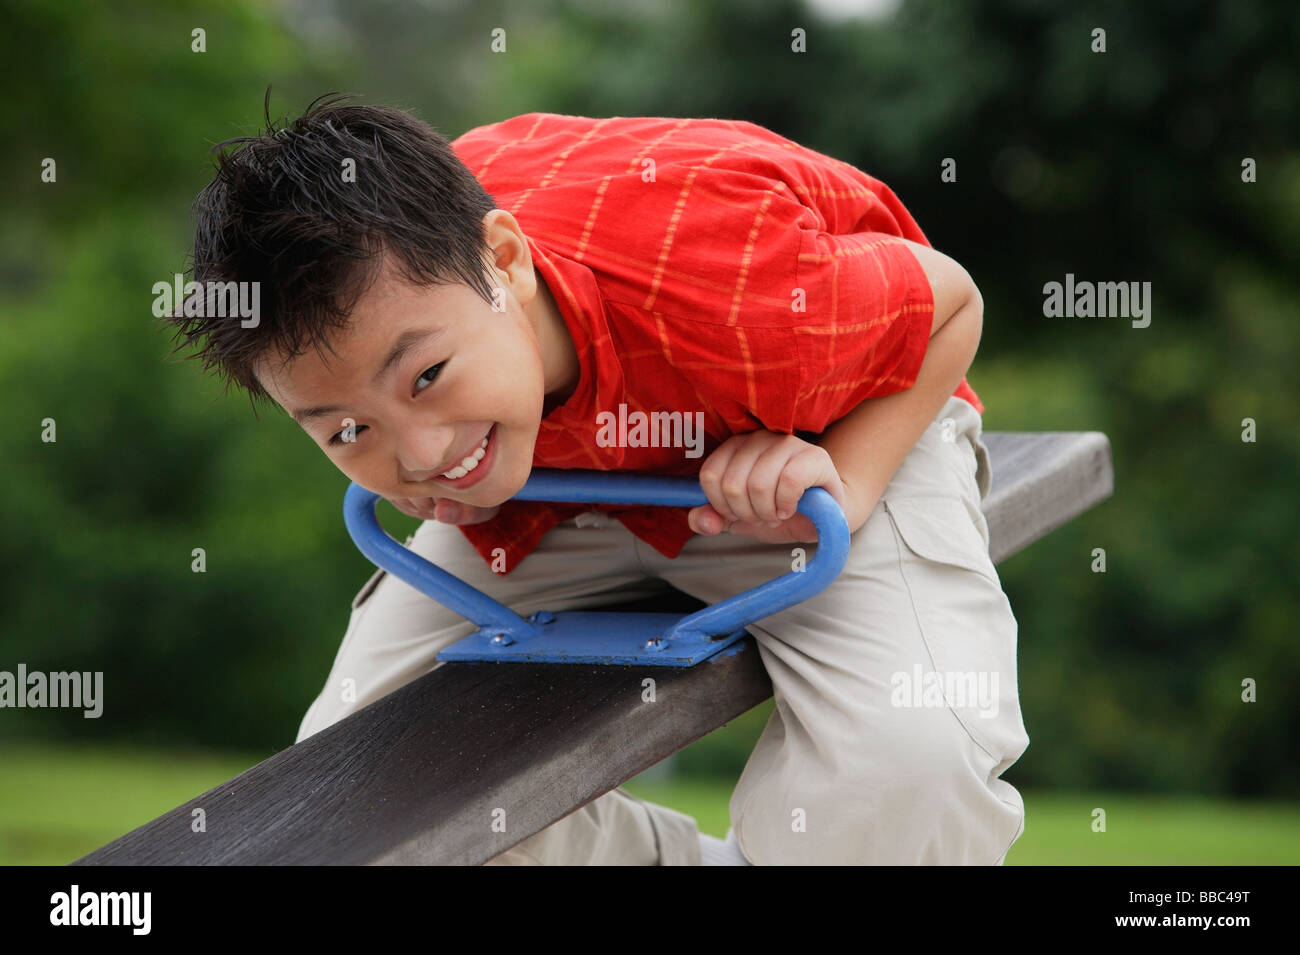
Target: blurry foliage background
(1122,166)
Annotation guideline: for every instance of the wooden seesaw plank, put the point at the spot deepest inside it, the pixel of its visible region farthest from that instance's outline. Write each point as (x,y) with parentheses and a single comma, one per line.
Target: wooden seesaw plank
(415,778)
(1040,481)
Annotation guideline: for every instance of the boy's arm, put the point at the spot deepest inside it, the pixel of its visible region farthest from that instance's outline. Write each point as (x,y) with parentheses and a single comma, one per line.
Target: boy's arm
(869,443)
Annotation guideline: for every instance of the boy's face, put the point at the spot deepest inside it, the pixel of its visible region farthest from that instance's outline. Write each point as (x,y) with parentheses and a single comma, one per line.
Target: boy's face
(459,372)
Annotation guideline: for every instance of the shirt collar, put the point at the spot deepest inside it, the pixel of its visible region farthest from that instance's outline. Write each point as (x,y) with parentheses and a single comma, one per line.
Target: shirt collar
(582,306)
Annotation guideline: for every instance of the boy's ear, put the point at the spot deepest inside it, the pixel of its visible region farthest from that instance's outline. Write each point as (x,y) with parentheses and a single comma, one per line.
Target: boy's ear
(509,251)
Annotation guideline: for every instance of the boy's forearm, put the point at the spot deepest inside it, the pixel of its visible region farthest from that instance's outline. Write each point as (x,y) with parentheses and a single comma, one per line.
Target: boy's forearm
(869,443)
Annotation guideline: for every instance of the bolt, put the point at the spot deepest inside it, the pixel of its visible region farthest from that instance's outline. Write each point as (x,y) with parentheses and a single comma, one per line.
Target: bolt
(542,616)
(502,639)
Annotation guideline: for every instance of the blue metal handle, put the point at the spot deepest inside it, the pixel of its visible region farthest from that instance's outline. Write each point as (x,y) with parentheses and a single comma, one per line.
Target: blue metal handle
(608,487)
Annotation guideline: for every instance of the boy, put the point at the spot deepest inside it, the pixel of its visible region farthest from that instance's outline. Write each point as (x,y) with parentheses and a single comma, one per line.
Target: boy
(441,318)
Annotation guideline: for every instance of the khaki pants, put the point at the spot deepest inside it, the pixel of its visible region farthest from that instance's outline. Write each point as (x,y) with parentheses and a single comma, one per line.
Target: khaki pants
(895,687)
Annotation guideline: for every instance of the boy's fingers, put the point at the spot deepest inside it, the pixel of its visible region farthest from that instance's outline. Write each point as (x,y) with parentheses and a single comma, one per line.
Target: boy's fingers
(480,514)
(799,529)
(711,475)
(449,512)
(455,512)
(705,520)
(694,517)
(407,506)
(740,483)
(443,510)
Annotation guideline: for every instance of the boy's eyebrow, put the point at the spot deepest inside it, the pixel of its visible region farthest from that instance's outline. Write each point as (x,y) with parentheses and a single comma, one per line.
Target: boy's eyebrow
(404,343)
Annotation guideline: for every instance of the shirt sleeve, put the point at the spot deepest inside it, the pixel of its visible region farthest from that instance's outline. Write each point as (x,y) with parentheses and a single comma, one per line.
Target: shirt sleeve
(869,312)
(827,320)
(867,306)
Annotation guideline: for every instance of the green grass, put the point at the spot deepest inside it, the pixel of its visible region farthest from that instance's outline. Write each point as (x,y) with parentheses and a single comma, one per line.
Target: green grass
(1140,830)
(58,803)
(1156,830)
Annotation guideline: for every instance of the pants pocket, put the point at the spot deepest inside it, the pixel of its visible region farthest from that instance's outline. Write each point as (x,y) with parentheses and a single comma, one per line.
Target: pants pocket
(965,621)
(939,529)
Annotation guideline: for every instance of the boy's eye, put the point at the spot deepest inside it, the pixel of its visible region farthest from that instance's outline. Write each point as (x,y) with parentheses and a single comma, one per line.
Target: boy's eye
(434,369)
(337,438)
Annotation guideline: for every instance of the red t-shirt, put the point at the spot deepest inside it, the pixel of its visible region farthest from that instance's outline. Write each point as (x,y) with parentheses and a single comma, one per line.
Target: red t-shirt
(701,265)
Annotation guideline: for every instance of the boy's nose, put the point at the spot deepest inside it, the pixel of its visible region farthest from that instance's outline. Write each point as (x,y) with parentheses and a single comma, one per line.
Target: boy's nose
(418,455)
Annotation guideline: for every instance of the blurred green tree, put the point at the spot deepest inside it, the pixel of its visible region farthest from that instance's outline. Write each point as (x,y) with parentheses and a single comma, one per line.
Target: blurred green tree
(1117,166)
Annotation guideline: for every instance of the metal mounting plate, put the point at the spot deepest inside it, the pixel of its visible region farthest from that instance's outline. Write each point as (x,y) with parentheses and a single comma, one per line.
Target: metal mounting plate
(602,637)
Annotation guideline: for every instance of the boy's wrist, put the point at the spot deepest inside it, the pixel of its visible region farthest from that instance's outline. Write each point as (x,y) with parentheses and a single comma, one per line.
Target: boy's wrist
(858,502)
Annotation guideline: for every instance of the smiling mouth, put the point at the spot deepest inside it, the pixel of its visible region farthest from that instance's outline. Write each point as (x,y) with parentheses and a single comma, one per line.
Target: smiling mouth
(472,465)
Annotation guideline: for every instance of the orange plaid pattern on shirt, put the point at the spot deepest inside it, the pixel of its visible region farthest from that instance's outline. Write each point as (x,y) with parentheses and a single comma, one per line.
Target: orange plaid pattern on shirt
(705,267)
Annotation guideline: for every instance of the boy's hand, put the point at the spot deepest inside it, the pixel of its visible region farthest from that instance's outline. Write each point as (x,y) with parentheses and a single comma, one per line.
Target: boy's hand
(443,509)
(754,482)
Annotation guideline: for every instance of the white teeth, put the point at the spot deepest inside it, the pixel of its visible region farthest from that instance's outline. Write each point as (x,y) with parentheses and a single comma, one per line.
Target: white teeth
(468,464)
